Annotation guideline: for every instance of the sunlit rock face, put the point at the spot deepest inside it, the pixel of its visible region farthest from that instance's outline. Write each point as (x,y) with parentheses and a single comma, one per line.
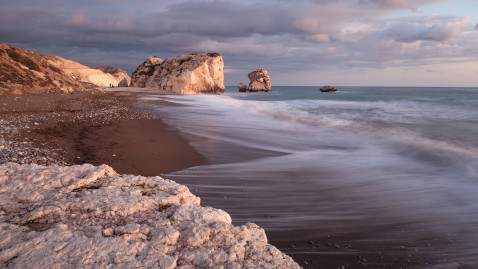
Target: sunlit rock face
(259,82)
(86,216)
(23,71)
(185,74)
(122,78)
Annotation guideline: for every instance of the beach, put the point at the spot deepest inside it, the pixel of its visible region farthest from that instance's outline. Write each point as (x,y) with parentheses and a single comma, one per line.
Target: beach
(92,127)
(326,176)
(72,201)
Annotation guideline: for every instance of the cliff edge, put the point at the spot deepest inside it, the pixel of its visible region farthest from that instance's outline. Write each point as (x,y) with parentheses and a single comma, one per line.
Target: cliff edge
(23,71)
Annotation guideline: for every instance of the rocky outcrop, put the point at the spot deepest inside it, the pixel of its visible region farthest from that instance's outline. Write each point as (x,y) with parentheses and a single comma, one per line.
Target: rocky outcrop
(144,71)
(328,89)
(85,74)
(259,81)
(242,87)
(89,217)
(25,71)
(122,78)
(185,74)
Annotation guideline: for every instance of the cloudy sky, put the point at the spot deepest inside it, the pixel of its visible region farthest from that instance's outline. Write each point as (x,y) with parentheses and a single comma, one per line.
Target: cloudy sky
(300,42)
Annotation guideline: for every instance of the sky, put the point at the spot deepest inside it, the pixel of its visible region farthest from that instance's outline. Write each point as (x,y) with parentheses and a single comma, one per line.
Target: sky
(300,42)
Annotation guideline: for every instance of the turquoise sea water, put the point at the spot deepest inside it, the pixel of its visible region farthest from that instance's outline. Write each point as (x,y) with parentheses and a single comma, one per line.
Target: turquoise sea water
(389,175)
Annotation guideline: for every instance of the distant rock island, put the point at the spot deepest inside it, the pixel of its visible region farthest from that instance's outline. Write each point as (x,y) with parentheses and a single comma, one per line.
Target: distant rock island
(259,81)
(25,71)
(185,74)
(328,89)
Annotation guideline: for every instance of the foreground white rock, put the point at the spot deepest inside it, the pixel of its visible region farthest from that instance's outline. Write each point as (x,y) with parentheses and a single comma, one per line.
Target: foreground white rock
(90,217)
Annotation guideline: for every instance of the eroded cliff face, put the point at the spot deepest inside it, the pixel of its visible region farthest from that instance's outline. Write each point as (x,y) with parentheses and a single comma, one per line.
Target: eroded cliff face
(185,74)
(122,78)
(85,74)
(23,71)
(88,217)
(144,71)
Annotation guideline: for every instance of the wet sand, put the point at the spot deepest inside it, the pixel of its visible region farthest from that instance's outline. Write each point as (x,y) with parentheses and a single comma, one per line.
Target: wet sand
(143,147)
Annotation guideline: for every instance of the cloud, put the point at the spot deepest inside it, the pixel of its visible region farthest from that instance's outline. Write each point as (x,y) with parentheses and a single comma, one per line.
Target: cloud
(436,28)
(280,35)
(398,4)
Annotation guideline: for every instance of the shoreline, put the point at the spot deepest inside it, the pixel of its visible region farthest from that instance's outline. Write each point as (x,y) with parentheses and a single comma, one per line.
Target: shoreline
(58,133)
(92,127)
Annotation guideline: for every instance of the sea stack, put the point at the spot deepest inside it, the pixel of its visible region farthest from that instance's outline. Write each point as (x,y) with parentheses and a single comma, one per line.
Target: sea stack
(242,87)
(185,74)
(259,81)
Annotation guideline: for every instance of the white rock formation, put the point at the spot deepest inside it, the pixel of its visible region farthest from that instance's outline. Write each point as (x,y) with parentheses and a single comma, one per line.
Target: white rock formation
(84,73)
(122,78)
(144,71)
(259,81)
(185,74)
(90,217)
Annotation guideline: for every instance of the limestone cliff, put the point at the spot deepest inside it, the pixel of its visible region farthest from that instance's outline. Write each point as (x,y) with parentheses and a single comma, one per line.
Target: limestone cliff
(122,78)
(85,74)
(90,217)
(185,74)
(25,71)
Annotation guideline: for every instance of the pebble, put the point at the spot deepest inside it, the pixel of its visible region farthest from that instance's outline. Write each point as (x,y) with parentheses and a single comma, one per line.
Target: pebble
(93,110)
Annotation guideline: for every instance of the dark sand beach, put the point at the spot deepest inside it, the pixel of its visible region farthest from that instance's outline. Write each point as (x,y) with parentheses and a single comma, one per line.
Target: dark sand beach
(117,129)
(125,132)
(97,128)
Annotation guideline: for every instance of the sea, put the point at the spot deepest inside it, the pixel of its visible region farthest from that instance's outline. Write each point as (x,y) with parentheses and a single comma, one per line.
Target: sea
(365,177)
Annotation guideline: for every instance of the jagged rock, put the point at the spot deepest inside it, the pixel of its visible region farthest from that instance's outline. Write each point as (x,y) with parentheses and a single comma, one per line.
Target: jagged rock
(144,71)
(185,74)
(328,89)
(259,81)
(242,87)
(84,216)
(35,73)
